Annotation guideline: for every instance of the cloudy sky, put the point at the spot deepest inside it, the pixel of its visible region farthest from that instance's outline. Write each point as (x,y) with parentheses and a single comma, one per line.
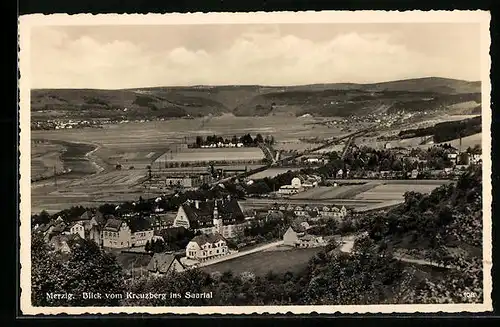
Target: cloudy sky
(113,57)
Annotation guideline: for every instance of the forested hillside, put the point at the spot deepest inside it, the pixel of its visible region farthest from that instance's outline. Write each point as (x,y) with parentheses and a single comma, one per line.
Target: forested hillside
(252,100)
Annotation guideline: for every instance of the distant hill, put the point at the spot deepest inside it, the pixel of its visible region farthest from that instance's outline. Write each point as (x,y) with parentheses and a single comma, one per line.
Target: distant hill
(340,99)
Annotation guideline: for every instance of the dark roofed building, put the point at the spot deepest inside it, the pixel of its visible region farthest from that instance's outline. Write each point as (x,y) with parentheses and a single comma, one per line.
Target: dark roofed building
(164,263)
(159,222)
(113,225)
(211,216)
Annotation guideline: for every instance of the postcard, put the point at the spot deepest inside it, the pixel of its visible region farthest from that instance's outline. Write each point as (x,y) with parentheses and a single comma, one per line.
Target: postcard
(241,163)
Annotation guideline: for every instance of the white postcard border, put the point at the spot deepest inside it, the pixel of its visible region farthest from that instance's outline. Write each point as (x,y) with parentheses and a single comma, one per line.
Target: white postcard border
(334,17)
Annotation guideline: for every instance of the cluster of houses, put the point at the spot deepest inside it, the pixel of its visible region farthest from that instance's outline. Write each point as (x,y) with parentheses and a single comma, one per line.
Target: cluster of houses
(217,220)
(223,145)
(459,161)
(299,184)
(311,212)
(64,124)
(109,232)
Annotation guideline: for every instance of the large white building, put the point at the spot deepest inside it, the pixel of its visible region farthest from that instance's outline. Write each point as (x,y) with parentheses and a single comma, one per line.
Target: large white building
(118,234)
(294,187)
(206,246)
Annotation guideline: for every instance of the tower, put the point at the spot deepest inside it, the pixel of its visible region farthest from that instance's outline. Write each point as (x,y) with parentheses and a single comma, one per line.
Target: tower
(217,220)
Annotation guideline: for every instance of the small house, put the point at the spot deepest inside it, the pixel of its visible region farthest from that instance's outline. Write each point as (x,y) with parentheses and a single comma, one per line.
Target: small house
(164,263)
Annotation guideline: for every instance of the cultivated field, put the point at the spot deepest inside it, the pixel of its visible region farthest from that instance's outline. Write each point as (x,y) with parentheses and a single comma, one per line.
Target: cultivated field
(271,172)
(330,192)
(44,158)
(139,145)
(112,179)
(261,263)
(393,191)
(217,154)
(469,141)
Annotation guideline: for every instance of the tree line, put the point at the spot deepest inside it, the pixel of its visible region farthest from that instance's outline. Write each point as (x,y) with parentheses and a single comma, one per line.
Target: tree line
(446,131)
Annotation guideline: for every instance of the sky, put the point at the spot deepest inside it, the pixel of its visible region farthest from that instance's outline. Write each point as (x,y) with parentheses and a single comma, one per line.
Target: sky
(115,57)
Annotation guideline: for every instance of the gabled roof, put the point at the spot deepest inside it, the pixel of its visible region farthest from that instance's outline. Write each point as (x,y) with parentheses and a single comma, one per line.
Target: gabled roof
(113,225)
(58,228)
(161,262)
(87,215)
(227,209)
(208,238)
(290,231)
(70,225)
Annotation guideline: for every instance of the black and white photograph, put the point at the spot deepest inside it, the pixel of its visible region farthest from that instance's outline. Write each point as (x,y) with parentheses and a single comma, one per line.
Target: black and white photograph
(255,163)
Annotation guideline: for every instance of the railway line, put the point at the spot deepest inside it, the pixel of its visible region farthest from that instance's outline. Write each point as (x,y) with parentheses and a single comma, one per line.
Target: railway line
(277,163)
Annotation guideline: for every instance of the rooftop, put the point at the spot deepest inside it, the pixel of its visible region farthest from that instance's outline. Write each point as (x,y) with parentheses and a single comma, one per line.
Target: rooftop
(161,262)
(208,238)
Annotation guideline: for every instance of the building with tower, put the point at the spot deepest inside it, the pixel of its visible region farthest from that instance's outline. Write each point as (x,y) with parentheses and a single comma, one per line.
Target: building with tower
(223,216)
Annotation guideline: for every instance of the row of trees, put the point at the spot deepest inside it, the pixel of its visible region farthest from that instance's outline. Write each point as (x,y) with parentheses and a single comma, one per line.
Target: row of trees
(172,239)
(446,131)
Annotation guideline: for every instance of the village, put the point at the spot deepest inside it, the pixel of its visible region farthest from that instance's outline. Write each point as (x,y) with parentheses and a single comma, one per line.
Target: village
(216,224)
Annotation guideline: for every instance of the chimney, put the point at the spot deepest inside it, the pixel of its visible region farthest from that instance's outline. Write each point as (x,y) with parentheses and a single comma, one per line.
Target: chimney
(197,204)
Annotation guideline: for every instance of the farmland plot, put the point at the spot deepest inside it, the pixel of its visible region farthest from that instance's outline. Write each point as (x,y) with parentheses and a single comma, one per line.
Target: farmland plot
(116,178)
(216,154)
(45,158)
(393,191)
(272,172)
(338,192)
(261,263)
